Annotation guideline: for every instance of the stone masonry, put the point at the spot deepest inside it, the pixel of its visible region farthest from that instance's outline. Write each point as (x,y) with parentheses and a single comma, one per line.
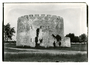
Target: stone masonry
(39,30)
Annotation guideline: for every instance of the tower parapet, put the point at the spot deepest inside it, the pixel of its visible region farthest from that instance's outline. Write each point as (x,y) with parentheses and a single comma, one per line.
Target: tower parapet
(31,16)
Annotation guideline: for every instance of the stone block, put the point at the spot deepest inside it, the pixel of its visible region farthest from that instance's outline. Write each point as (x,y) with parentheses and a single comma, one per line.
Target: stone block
(66,42)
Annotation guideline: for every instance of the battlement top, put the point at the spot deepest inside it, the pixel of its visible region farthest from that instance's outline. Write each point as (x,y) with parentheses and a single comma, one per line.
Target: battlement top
(31,16)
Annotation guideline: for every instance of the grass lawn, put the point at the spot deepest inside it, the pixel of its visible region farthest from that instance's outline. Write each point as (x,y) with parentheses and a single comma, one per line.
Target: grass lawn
(74,47)
(45,57)
(32,57)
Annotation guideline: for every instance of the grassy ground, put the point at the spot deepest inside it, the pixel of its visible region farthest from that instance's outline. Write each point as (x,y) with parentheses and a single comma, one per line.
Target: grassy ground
(45,57)
(32,57)
(74,47)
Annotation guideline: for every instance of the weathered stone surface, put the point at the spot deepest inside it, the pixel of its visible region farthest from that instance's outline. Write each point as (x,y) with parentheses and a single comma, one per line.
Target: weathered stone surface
(66,42)
(27,29)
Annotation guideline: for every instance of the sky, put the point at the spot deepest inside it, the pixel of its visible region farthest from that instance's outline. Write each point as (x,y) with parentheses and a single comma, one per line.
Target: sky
(74,14)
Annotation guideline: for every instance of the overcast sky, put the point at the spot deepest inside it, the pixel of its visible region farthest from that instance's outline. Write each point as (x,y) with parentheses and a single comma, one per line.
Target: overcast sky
(74,14)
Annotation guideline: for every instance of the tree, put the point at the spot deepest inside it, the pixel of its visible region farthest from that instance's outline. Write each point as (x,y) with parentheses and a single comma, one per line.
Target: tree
(58,38)
(8,32)
(76,39)
(83,38)
(71,35)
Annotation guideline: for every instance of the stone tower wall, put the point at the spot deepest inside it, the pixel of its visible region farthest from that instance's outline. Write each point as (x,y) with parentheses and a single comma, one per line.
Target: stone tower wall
(27,25)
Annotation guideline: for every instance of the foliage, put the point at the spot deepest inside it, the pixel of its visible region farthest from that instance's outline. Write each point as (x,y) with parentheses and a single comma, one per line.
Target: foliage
(57,37)
(8,32)
(73,38)
(76,39)
(83,38)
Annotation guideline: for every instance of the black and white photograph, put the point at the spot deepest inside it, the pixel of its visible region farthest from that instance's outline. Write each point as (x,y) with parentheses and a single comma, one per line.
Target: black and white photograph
(45,32)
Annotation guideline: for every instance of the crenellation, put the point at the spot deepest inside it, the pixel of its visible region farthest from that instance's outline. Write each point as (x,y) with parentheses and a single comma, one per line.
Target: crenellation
(30,15)
(25,16)
(46,17)
(42,15)
(49,16)
(58,17)
(36,15)
(21,19)
(54,16)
